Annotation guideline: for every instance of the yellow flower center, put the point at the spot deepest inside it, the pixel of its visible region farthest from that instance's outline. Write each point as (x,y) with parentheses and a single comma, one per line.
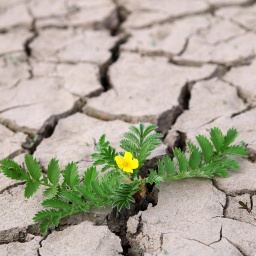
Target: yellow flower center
(126,163)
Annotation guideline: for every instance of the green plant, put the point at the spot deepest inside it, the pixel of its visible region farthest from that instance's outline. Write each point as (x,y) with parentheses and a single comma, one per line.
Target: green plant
(121,181)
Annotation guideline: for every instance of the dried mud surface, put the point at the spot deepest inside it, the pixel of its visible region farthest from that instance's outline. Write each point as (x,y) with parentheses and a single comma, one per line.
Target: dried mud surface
(71,70)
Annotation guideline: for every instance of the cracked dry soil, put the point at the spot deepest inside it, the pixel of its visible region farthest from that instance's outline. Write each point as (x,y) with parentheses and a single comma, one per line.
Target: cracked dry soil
(71,70)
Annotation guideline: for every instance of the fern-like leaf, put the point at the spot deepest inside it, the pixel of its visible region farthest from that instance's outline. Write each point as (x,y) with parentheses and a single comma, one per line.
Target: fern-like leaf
(51,192)
(195,156)
(59,204)
(123,195)
(154,177)
(31,187)
(76,200)
(230,137)
(33,167)
(206,148)
(217,138)
(182,160)
(236,150)
(12,170)
(89,175)
(105,154)
(71,177)
(53,171)
(140,142)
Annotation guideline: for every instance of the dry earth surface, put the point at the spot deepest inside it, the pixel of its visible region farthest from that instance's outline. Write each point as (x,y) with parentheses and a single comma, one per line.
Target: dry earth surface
(71,70)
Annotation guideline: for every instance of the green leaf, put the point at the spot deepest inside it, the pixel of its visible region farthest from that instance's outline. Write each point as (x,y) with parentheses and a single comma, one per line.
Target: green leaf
(12,170)
(44,225)
(195,156)
(182,160)
(149,129)
(230,137)
(206,147)
(123,195)
(33,167)
(53,171)
(217,138)
(31,188)
(236,150)
(76,200)
(99,190)
(89,175)
(154,178)
(51,192)
(56,203)
(71,177)
(45,214)
(166,167)
(88,194)
(229,163)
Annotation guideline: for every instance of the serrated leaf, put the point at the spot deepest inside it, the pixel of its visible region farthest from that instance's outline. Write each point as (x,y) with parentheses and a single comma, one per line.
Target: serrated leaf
(12,170)
(195,156)
(236,150)
(154,178)
(70,196)
(31,188)
(123,195)
(89,175)
(182,160)
(229,163)
(166,167)
(230,137)
(56,203)
(206,148)
(99,190)
(71,177)
(217,138)
(56,220)
(89,195)
(135,130)
(221,172)
(132,137)
(150,129)
(44,225)
(45,180)
(51,192)
(33,167)
(45,214)
(53,171)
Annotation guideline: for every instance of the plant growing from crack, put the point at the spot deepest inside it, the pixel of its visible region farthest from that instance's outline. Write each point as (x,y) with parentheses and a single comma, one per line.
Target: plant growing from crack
(121,184)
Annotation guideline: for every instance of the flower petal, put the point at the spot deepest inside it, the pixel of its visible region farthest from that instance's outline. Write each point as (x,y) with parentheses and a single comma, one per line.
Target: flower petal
(119,161)
(128,156)
(134,164)
(128,169)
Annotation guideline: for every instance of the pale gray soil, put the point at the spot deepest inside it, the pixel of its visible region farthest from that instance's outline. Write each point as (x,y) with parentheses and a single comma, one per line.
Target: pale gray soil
(71,70)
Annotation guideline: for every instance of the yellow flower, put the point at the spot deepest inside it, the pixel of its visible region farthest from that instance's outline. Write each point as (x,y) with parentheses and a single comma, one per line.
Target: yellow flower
(127,164)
